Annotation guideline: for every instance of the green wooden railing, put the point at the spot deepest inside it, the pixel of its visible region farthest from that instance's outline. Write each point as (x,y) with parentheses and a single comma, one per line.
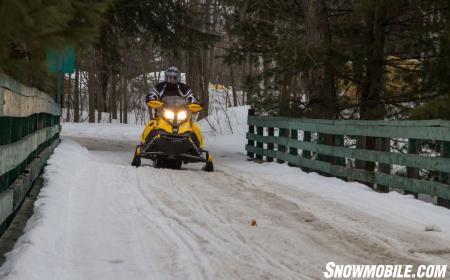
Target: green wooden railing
(291,140)
(29,131)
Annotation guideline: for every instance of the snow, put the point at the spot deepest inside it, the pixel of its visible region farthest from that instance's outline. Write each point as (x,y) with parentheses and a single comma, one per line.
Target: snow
(99,218)
(103,130)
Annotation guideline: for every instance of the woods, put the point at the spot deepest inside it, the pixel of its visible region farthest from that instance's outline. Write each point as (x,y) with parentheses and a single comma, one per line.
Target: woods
(335,59)
(351,59)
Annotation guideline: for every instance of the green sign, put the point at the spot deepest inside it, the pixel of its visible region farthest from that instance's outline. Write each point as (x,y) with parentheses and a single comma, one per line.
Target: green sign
(61,60)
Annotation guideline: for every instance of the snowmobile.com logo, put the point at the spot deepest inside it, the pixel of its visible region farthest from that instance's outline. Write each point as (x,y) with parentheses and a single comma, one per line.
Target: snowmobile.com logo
(352,271)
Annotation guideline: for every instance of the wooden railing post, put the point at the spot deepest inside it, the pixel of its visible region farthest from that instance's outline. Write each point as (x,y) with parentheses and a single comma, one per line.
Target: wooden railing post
(339,142)
(360,144)
(444,177)
(270,146)
(325,139)
(321,139)
(293,136)
(412,172)
(384,145)
(251,130)
(282,148)
(260,145)
(364,143)
(305,153)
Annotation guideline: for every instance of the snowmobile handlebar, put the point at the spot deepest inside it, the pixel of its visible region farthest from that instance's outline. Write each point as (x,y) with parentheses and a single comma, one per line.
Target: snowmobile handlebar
(193,107)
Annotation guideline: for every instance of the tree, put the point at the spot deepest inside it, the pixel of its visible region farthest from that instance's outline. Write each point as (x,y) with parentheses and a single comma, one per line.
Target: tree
(29,28)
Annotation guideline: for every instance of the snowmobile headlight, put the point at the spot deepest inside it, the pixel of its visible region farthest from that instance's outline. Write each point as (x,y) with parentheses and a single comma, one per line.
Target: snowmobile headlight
(170,115)
(181,116)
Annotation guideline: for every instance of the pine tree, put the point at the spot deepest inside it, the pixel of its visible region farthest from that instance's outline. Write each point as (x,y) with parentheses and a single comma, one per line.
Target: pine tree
(30,28)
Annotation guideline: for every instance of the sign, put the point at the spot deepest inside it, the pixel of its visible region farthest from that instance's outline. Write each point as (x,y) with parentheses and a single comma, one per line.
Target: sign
(61,60)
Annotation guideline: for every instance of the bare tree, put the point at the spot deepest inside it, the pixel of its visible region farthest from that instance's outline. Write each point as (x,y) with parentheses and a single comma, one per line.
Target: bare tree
(76,94)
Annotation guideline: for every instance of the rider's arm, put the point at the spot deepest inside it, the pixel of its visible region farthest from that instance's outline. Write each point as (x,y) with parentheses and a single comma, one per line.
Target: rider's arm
(155,93)
(186,92)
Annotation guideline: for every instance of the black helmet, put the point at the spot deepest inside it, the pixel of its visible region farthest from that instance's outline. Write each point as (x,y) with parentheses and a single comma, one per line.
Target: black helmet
(172,75)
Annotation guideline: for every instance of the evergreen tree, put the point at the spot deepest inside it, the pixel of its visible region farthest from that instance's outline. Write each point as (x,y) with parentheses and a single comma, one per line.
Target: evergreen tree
(30,28)
(383,58)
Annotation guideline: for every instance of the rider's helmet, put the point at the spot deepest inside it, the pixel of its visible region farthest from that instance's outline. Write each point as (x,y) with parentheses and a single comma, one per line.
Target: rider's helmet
(172,75)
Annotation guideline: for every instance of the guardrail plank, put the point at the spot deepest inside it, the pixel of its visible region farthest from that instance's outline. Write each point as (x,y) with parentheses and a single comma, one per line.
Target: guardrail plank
(21,101)
(15,153)
(395,123)
(339,171)
(439,133)
(414,185)
(22,184)
(412,160)
(6,204)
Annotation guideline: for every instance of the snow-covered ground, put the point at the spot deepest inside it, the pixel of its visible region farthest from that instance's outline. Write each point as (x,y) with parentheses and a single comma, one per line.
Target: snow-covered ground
(99,218)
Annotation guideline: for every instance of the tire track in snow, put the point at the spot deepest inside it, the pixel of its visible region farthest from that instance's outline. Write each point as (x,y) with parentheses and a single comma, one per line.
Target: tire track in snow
(263,257)
(386,242)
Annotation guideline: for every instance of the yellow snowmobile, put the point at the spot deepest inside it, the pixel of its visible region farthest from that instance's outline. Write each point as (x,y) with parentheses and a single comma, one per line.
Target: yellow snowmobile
(172,139)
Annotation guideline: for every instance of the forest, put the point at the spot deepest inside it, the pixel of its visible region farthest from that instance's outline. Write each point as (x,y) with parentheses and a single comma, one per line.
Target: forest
(325,59)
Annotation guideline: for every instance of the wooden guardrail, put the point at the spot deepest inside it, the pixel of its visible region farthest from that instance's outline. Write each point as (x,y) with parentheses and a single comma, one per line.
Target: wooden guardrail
(29,131)
(299,142)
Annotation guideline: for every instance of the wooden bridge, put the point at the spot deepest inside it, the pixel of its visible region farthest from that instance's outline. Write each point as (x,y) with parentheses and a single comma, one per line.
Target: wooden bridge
(29,132)
(300,142)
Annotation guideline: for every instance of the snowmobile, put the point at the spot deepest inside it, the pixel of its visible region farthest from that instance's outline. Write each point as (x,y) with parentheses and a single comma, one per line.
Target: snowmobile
(172,138)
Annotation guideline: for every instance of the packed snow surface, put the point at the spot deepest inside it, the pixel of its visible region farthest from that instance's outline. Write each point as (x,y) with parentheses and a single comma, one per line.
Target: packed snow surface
(99,218)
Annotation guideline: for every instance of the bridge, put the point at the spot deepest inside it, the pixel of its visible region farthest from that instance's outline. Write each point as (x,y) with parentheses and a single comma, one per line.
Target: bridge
(256,217)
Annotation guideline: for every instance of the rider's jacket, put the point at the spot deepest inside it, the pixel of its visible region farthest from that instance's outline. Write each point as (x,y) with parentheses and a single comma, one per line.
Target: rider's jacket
(170,89)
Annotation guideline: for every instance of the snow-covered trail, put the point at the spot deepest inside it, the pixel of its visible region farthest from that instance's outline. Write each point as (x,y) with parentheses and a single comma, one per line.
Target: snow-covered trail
(99,218)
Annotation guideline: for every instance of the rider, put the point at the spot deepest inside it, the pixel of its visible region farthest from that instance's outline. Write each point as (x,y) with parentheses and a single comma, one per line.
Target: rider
(172,86)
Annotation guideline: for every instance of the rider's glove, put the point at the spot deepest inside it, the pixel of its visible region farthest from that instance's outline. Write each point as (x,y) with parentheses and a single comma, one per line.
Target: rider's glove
(148,98)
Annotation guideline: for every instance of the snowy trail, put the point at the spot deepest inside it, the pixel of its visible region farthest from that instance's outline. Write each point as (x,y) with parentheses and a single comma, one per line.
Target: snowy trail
(99,218)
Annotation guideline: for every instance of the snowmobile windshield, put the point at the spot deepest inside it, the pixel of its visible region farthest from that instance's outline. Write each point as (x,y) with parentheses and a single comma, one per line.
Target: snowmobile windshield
(174,101)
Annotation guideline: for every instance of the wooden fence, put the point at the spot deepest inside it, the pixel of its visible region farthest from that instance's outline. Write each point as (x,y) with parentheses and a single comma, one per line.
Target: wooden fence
(303,143)
(29,132)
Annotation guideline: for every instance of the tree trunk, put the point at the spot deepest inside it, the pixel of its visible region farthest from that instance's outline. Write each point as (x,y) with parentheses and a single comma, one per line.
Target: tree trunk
(92,95)
(319,82)
(371,106)
(113,99)
(83,85)
(124,96)
(76,96)
(102,92)
(204,82)
(285,97)
(68,101)
(233,86)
